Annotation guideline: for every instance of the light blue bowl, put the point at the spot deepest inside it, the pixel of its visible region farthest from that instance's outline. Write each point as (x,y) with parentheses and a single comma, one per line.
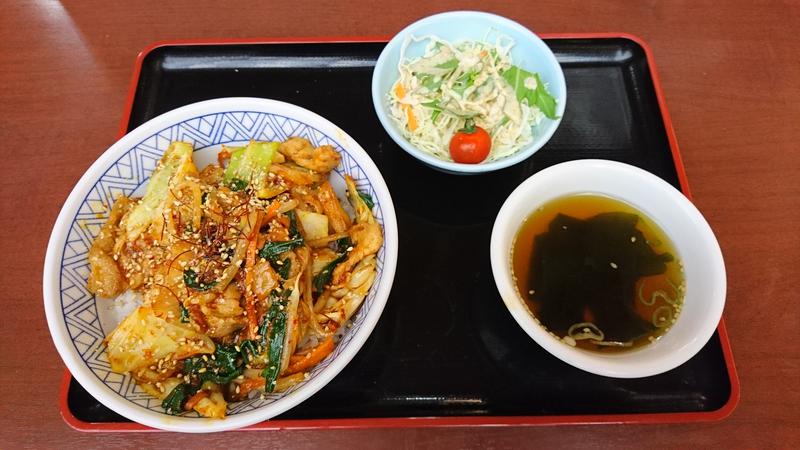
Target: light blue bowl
(529,52)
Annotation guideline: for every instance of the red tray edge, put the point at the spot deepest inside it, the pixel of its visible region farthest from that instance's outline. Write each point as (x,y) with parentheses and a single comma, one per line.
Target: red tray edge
(455,421)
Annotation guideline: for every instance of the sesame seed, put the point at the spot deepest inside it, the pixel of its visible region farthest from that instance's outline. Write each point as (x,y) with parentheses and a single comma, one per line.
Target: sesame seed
(613,265)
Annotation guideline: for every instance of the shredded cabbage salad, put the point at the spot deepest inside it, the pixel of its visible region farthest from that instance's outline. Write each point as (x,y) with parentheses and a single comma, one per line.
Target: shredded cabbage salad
(451,83)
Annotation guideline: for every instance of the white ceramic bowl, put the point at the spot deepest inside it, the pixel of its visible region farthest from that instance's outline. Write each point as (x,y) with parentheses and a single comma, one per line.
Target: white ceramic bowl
(78,321)
(530,53)
(695,243)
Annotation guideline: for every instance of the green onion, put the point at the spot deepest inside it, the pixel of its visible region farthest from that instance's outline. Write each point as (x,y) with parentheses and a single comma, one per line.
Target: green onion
(367,199)
(174,401)
(190,279)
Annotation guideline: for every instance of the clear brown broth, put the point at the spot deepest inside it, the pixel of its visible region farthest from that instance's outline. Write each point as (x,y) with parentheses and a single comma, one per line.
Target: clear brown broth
(665,290)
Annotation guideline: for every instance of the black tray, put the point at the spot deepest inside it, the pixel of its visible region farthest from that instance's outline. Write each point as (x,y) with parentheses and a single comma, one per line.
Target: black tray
(446,345)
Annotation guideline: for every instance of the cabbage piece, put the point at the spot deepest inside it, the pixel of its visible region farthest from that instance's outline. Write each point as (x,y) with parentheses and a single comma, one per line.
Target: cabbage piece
(315,226)
(359,202)
(213,406)
(293,326)
(175,165)
(167,386)
(249,166)
(142,339)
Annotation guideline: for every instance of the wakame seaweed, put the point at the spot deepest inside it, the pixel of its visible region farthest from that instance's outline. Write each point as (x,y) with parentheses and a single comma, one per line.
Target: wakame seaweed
(590,267)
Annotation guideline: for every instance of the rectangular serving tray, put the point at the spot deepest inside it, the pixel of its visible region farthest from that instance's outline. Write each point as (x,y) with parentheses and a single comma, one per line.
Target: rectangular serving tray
(446,352)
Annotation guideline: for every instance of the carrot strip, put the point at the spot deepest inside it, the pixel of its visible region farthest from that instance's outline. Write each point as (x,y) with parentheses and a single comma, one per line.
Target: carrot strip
(400,91)
(299,363)
(194,400)
(412,120)
(196,313)
(272,211)
(222,156)
(282,384)
(247,385)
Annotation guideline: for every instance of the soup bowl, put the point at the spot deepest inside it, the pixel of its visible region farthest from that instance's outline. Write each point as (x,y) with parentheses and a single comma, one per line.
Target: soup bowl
(694,241)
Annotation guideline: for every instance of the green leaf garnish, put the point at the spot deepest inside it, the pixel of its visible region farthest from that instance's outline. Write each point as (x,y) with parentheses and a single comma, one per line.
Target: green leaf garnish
(184,313)
(464,82)
(220,369)
(367,199)
(275,335)
(343,244)
(250,349)
(431,82)
(538,97)
(190,279)
(271,250)
(237,184)
(323,278)
(173,402)
(294,232)
(450,64)
(436,109)
(284,268)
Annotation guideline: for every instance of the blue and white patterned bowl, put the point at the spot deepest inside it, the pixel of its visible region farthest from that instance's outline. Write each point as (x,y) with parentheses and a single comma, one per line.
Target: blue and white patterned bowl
(79,321)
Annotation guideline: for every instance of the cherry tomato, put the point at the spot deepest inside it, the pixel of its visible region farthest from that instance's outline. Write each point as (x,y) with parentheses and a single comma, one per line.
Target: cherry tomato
(470,145)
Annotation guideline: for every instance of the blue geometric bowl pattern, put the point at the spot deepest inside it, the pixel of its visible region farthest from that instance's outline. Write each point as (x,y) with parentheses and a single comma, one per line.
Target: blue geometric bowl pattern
(126,176)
